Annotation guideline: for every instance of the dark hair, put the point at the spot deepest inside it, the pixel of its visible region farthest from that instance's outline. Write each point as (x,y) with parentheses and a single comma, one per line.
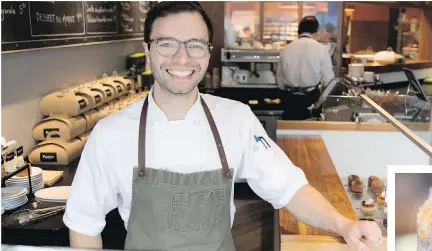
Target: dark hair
(308,24)
(163,9)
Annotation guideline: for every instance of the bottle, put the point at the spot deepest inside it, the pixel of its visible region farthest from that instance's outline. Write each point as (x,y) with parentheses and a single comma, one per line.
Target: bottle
(424,225)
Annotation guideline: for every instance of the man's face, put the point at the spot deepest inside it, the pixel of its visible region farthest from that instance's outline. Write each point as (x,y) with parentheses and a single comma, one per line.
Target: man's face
(179,74)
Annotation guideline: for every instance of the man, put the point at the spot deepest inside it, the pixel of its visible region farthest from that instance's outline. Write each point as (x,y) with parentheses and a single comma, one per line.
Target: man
(169,161)
(303,64)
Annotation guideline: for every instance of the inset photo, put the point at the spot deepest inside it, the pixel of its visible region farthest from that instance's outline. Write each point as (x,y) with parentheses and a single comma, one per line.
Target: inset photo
(409,195)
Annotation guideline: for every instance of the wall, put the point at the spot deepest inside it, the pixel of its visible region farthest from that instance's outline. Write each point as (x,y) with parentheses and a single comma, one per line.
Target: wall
(369,27)
(28,76)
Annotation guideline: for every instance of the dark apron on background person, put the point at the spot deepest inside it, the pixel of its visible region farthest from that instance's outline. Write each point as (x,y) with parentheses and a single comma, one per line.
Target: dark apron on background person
(176,211)
(297,100)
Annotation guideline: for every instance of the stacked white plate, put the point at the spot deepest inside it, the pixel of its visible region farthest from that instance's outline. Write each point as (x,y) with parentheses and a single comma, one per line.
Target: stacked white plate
(53,194)
(36,179)
(13,197)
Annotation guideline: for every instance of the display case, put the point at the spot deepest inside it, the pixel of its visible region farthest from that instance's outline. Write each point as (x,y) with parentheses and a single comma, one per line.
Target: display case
(357,135)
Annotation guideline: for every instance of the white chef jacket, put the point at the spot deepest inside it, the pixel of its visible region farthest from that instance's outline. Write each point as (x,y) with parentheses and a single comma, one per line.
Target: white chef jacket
(103,180)
(303,63)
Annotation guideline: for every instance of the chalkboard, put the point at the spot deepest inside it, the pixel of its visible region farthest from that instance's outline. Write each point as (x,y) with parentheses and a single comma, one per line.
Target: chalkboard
(29,25)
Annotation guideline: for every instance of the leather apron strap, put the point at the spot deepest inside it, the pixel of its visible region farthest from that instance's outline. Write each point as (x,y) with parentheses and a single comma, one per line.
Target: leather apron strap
(213,127)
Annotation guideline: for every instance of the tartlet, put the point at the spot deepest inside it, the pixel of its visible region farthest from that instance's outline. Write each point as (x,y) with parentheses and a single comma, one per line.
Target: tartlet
(368,207)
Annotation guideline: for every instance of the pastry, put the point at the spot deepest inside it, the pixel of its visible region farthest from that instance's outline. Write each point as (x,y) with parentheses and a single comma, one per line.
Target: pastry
(381,199)
(377,186)
(368,207)
(371,179)
(356,186)
(351,178)
(424,225)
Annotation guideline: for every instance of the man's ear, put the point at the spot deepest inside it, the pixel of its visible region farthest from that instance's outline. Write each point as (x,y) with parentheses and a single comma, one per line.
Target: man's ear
(147,53)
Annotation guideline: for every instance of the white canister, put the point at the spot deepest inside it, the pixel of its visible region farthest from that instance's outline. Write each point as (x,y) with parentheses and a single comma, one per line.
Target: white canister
(369,76)
(356,70)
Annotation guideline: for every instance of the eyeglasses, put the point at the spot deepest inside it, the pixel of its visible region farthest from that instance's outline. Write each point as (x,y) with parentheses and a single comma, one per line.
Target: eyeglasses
(169,47)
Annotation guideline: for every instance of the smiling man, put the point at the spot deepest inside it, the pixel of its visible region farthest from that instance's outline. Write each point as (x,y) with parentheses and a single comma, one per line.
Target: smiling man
(169,161)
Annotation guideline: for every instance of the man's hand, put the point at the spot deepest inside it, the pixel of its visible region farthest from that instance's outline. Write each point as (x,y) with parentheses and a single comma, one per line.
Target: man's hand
(311,107)
(362,235)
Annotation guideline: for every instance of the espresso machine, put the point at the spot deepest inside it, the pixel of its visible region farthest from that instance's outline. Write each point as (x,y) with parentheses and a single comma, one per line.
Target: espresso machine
(249,68)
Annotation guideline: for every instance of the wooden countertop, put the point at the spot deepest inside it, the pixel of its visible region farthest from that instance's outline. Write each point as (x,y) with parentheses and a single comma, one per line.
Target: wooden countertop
(318,243)
(310,154)
(347,126)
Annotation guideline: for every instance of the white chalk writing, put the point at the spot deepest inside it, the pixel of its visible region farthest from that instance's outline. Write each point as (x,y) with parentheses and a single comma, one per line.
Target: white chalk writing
(127,18)
(4,12)
(92,19)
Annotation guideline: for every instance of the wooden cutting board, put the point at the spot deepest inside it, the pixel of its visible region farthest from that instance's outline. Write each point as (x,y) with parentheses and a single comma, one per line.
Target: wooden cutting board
(311,155)
(319,243)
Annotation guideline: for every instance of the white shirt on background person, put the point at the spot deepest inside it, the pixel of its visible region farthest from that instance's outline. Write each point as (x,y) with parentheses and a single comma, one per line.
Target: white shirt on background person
(303,63)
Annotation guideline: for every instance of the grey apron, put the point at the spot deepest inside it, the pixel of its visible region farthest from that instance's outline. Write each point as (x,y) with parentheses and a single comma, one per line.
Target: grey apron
(175,211)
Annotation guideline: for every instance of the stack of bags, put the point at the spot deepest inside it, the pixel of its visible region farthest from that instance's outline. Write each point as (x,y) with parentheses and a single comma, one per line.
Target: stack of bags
(71,114)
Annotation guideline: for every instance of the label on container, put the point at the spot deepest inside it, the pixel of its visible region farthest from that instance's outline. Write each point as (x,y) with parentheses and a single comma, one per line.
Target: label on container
(97,98)
(20,151)
(48,157)
(108,93)
(46,131)
(10,156)
(82,103)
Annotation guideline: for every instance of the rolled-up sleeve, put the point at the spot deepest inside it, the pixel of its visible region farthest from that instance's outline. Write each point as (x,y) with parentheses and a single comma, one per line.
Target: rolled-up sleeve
(267,169)
(93,192)
(327,73)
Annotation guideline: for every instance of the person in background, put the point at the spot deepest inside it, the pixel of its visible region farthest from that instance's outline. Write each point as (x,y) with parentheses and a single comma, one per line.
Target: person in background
(169,161)
(303,65)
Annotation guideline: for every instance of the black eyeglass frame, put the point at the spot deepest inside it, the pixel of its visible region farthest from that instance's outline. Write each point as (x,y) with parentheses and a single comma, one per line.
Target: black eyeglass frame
(208,44)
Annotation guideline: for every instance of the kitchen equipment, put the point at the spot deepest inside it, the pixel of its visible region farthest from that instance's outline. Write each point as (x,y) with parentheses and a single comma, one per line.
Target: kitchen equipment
(23,181)
(241,76)
(84,137)
(369,76)
(215,78)
(371,118)
(356,70)
(58,127)
(385,57)
(97,96)
(339,113)
(249,68)
(69,102)
(147,80)
(55,152)
(57,194)
(13,197)
(207,81)
(125,81)
(91,117)
(118,86)
(27,216)
(107,90)
(137,60)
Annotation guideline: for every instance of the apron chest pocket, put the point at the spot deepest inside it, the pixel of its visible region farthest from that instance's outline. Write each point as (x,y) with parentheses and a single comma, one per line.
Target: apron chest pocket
(196,211)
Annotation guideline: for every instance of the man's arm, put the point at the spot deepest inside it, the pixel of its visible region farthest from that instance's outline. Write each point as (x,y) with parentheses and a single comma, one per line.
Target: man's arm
(310,207)
(78,240)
